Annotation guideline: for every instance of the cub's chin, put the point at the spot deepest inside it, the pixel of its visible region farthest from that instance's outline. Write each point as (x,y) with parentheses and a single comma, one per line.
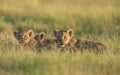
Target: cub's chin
(61,46)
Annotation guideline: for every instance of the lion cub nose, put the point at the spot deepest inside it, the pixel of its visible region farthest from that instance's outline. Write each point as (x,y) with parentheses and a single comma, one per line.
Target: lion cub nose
(61,43)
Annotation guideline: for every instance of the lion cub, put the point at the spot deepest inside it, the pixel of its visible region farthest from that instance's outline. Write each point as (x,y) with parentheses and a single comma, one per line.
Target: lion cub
(25,38)
(43,41)
(65,39)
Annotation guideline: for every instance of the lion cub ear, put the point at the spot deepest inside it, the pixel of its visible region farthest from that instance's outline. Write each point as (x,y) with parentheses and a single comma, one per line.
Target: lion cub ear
(70,32)
(30,33)
(42,35)
(55,32)
(16,34)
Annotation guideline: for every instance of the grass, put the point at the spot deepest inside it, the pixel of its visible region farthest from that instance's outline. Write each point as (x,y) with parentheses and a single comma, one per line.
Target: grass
(31,63)
(89,18)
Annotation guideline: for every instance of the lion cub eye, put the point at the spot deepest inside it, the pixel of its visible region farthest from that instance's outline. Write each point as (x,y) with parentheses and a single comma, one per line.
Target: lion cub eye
(25,36)
(65,37)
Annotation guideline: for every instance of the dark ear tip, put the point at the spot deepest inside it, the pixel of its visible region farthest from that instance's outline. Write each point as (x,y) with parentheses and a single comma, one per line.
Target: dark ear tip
(55,31)
(15,32)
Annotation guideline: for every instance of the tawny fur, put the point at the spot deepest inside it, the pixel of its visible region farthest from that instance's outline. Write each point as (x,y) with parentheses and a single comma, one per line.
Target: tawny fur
(65,39)
(44,42)
(25,38)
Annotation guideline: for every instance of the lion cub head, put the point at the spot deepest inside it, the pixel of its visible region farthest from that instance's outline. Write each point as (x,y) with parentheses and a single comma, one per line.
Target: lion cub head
(43,41)
(63,37)
(40,37)
(23,37)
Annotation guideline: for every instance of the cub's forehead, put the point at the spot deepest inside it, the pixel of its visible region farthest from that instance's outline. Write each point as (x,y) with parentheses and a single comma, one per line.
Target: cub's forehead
(62,32)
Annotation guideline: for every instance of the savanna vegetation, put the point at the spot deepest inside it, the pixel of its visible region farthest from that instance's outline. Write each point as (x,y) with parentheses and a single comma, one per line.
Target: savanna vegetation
(97,20)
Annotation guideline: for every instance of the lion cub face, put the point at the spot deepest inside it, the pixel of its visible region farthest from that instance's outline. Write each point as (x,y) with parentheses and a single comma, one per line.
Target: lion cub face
(43,41)
(23,37)
(40,37)
(63,37)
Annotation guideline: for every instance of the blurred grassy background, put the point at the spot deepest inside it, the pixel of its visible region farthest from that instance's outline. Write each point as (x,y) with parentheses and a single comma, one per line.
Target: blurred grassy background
(85,16)
(95,18)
